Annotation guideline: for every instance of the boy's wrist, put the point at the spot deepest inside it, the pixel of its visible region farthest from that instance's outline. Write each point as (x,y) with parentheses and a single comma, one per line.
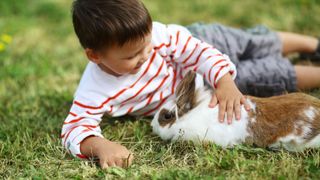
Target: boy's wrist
(224,80)
(89,146)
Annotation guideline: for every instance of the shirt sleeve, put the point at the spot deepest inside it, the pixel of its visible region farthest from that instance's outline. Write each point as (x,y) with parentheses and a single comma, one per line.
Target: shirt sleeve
(199,56)
(83,121)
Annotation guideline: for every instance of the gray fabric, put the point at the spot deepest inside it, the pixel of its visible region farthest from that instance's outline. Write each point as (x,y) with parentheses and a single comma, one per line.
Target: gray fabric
(256,52)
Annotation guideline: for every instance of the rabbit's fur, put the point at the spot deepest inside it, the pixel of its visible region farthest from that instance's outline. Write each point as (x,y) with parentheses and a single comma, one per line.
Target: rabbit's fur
(290,121)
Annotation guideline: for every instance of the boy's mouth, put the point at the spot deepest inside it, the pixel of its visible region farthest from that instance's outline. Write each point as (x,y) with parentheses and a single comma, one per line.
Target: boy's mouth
(138,66)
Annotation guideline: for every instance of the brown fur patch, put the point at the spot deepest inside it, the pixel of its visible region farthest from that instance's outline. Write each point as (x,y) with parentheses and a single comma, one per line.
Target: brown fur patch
(277,116)
(166,117)
(186,93)
(186,100)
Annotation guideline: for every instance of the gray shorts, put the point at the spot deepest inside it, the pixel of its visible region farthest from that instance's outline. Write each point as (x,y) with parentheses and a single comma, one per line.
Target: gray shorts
(256,52)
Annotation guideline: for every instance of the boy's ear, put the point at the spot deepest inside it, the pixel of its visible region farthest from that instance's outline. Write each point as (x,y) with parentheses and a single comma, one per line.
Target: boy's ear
(185,94)
(93,55)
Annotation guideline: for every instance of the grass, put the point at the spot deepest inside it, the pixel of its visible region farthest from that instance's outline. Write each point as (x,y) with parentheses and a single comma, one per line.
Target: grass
(40,70)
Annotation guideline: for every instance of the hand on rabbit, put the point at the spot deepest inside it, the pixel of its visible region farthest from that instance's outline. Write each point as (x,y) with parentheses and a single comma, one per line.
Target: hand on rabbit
(229,98)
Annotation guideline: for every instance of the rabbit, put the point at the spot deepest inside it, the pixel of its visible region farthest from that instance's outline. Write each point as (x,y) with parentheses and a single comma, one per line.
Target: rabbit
(290,121)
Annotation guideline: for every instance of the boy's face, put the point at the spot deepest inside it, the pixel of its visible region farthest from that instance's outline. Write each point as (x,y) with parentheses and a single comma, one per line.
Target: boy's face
(127,59)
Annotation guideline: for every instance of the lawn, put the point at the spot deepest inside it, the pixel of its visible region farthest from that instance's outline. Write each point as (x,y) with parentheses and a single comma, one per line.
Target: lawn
(41,63)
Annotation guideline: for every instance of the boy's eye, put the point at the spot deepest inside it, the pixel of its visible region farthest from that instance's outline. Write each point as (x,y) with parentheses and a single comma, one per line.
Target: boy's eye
(129,58)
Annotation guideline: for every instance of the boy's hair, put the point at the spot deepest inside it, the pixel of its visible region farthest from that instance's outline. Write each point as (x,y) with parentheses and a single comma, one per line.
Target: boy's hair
(105,23)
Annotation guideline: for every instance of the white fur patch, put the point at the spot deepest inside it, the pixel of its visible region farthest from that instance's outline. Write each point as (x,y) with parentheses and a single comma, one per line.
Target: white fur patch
(310,113)
(291,142)
(314,143)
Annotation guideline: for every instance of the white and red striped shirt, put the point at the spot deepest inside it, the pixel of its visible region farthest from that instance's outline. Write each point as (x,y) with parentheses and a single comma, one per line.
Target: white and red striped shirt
(174,53)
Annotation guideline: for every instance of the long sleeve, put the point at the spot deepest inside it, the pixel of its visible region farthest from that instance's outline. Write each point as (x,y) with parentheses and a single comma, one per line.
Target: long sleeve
(192,54)
(79,124)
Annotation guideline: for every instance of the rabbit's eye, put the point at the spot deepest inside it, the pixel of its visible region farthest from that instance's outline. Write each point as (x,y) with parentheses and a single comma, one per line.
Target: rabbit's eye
(168,116)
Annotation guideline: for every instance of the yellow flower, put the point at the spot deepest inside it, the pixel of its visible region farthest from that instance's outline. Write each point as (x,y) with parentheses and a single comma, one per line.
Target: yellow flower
(6,38)
(1,46)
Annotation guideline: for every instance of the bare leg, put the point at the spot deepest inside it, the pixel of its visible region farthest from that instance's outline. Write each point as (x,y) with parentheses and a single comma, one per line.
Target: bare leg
(297,43)
(308,77)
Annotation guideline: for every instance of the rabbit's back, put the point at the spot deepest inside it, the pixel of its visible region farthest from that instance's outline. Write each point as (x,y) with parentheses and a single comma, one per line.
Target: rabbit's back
(291,120)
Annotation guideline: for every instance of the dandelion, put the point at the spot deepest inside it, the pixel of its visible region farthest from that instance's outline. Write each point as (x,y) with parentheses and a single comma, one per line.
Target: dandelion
(1,46)
(6,38)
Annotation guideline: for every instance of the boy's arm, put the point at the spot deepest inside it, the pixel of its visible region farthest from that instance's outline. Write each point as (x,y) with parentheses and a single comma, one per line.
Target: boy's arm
(190,53)
(217,69)
(81,136)
(79,125)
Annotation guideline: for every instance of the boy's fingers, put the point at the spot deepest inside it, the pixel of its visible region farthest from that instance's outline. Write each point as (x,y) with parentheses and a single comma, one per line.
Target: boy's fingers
(245,103)
(128,161)
(229,112)
(103,163)
(237,108)
(222,110)
(213,101)
(112,164)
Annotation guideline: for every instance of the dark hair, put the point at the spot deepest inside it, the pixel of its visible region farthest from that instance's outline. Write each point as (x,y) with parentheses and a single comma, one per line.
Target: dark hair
(104,23)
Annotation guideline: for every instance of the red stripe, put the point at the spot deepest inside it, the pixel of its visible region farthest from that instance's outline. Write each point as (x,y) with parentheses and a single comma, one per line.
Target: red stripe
(185,46)
(198,58)
(163,44)
(190,54)
(151,95)
(130,110)
(163,56)
(161,95)
(81,156)
(147,113)
(174,80)
(215,77)
(146,83)
(111,109)
(67,135)
(173,52)
(150,98)
(83,131)
(177,37)
(99,113)
(74,121)
(196,68)
(84,125)
(209,75)
(120,92)
(162,82)
(72,114)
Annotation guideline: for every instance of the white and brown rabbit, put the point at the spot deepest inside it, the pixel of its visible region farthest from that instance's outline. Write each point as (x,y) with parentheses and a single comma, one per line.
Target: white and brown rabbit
(290,121)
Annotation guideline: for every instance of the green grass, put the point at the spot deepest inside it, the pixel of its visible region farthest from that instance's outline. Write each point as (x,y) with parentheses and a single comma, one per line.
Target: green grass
(40,70)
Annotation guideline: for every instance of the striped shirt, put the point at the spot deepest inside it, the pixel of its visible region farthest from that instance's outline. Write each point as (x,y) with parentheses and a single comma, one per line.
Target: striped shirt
(174,53)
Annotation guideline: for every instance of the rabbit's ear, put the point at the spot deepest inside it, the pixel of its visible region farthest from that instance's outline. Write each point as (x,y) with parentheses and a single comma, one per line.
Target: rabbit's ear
(186,96)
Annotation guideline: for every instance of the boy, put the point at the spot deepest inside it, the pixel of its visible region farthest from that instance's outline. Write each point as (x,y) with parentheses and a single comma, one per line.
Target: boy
(135,66)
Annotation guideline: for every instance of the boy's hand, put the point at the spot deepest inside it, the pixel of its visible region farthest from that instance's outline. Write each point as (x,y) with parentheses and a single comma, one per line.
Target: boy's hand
(108,152)
(229,98)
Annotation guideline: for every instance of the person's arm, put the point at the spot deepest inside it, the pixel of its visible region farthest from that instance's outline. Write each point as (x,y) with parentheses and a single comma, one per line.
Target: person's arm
(217,69)
(81,136)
